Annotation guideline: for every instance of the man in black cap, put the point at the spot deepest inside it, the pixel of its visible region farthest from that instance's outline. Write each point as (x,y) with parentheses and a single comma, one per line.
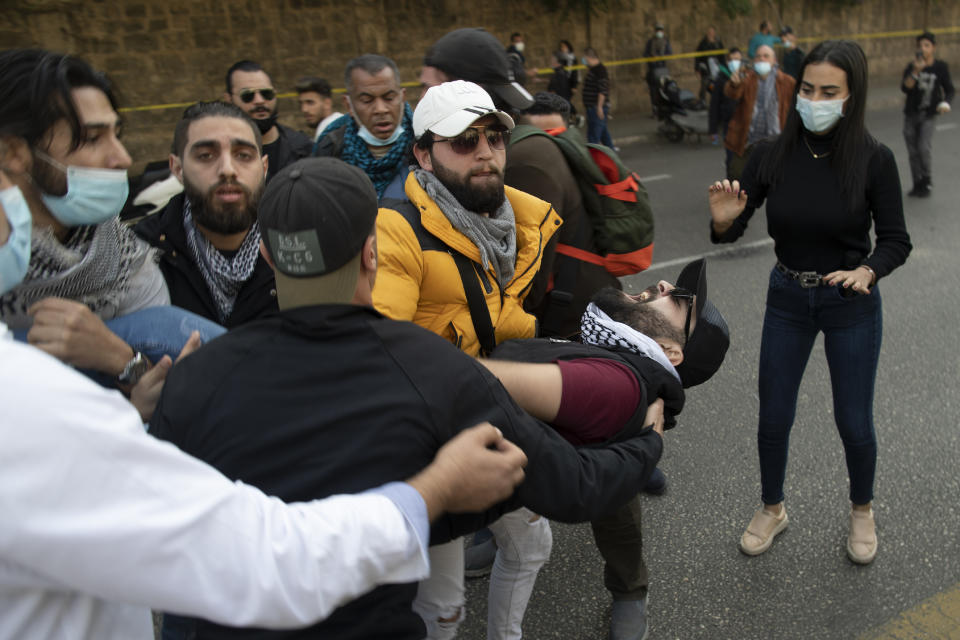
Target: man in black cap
(476,56)
(635,351)
(329,396)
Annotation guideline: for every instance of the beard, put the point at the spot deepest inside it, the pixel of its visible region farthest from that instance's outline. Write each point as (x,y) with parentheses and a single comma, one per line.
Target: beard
(636,314)
(486,198)
(264,124)
(219,217)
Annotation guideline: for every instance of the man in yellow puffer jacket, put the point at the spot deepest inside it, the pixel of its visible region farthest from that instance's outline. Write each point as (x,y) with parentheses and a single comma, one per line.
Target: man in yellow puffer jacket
(462,229)
(417,278)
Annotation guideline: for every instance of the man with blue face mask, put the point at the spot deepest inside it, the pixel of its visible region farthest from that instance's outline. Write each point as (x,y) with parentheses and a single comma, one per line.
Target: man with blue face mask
(91,293)
(764,97)
(377,134)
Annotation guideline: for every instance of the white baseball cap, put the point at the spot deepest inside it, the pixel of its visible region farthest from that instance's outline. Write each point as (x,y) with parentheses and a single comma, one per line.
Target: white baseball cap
(448,109)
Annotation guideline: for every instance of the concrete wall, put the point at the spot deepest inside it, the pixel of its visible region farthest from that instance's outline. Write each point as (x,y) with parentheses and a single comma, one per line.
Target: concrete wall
(172,51)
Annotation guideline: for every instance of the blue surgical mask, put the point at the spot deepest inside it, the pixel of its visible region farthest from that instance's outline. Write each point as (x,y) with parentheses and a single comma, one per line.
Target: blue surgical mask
(762,68)
(583,60)
(819,115)
(93,195)
(374,141)
(734,65)
(15,253)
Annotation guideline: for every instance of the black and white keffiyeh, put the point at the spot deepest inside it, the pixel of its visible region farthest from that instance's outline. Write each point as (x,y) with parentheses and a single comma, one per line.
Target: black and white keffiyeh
(93,265)
(600,330)
(224,276)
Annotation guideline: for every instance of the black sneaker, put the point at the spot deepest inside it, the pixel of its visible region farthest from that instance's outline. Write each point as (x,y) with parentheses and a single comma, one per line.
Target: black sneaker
(657,483)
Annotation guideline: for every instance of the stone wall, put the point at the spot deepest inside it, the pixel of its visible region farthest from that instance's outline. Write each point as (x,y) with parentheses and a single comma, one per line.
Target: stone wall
(176,51)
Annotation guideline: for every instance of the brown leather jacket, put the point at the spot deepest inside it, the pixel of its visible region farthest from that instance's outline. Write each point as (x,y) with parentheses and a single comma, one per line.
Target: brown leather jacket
(745,92)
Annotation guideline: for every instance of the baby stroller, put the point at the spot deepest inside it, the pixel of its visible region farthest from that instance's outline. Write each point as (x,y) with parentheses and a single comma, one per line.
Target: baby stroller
(679,111)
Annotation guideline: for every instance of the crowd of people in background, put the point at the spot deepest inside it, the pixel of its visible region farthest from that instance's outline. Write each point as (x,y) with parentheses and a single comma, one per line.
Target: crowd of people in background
(405,329)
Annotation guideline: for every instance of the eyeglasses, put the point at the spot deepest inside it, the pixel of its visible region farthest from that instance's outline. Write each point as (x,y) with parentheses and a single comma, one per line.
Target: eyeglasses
(678,294)
(247,95)
(497,137)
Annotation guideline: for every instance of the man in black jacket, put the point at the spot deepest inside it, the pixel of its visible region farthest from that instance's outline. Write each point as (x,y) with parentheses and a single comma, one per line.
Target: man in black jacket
(329,396)
(250,88)
(635,351)
(208,235)
(929,89)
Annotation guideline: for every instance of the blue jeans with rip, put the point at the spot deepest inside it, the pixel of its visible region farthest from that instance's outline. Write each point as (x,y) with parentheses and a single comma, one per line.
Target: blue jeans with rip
(852,328)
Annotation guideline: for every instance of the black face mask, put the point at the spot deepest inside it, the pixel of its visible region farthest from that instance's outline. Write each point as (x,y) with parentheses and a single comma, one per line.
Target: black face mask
(266,124)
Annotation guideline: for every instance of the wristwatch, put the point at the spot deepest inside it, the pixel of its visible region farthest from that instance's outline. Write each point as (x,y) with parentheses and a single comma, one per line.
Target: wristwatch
(133,370)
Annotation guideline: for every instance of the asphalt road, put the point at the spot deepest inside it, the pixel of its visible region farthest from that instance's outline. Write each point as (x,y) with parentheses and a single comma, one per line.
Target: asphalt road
(701,586)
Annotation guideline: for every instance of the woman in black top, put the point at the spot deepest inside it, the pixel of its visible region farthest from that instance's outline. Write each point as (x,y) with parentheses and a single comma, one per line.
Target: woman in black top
(825,180)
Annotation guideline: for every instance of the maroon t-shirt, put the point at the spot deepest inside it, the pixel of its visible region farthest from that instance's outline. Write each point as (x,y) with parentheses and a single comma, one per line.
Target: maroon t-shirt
(598,397)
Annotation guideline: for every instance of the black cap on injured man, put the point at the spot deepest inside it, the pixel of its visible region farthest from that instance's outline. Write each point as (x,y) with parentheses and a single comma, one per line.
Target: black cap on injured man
(315,216)
(707,345)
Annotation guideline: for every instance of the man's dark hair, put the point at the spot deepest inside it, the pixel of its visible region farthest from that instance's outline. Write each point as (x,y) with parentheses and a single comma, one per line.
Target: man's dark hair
(734,50)
(926,35)
(35,88)
(315,84)
(515,35)
(243,65)
(590,52)
(545,103)
(210,110)
(764,25)
(373,64)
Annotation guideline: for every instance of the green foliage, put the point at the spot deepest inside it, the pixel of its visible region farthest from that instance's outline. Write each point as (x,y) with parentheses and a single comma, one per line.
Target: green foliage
(734,8)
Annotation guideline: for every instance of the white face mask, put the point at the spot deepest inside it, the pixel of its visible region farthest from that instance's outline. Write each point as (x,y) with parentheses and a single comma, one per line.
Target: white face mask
(659,34)
(762,68)
(734,65)
(820,115)
(518,46)
(93,195)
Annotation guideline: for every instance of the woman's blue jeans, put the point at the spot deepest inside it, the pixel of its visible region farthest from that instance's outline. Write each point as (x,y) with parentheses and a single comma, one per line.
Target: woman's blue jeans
(155,332)
(852,330)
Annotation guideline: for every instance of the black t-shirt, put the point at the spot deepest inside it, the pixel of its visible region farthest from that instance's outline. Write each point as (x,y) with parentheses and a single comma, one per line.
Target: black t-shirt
(290,146)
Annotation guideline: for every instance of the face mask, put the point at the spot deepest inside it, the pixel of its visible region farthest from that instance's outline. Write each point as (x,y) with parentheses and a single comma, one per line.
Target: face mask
(93,195)
(659,34)
(15,254)
(584,61)
(762,68)
(819,115)
(787,44)
(374,141)
(518,46)
(734,65)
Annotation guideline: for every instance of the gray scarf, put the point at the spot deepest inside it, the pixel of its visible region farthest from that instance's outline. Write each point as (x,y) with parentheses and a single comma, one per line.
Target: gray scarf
(495,237)
(93,265)
(765,121)
(224,276)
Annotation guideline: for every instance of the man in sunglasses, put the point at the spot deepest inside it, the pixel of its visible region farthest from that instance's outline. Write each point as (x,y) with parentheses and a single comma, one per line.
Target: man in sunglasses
(458,258)
(634,350)
(250,88)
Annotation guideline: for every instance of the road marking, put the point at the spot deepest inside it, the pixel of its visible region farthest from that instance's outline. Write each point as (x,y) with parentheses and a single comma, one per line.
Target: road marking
(659,176)
(946,125)
(936,618)
(749,246)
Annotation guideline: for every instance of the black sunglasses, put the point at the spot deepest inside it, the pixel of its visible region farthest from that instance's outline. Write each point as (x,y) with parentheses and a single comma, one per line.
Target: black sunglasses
(677,293)
(497,137)
(247,95)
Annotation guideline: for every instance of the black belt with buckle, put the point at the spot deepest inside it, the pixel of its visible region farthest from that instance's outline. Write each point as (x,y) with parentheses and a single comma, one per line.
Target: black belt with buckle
(806,279)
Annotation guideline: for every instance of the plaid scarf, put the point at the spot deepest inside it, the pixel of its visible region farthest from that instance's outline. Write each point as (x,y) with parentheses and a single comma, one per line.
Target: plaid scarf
(94,265)
(224,276)
(600,330)
(765,120)
(380,170)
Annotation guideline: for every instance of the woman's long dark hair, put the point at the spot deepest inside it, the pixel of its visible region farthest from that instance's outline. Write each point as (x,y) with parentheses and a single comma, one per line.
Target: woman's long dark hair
(852,143)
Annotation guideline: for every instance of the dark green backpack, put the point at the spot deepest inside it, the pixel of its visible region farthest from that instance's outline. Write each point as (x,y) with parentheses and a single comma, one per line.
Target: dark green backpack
(614,199)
